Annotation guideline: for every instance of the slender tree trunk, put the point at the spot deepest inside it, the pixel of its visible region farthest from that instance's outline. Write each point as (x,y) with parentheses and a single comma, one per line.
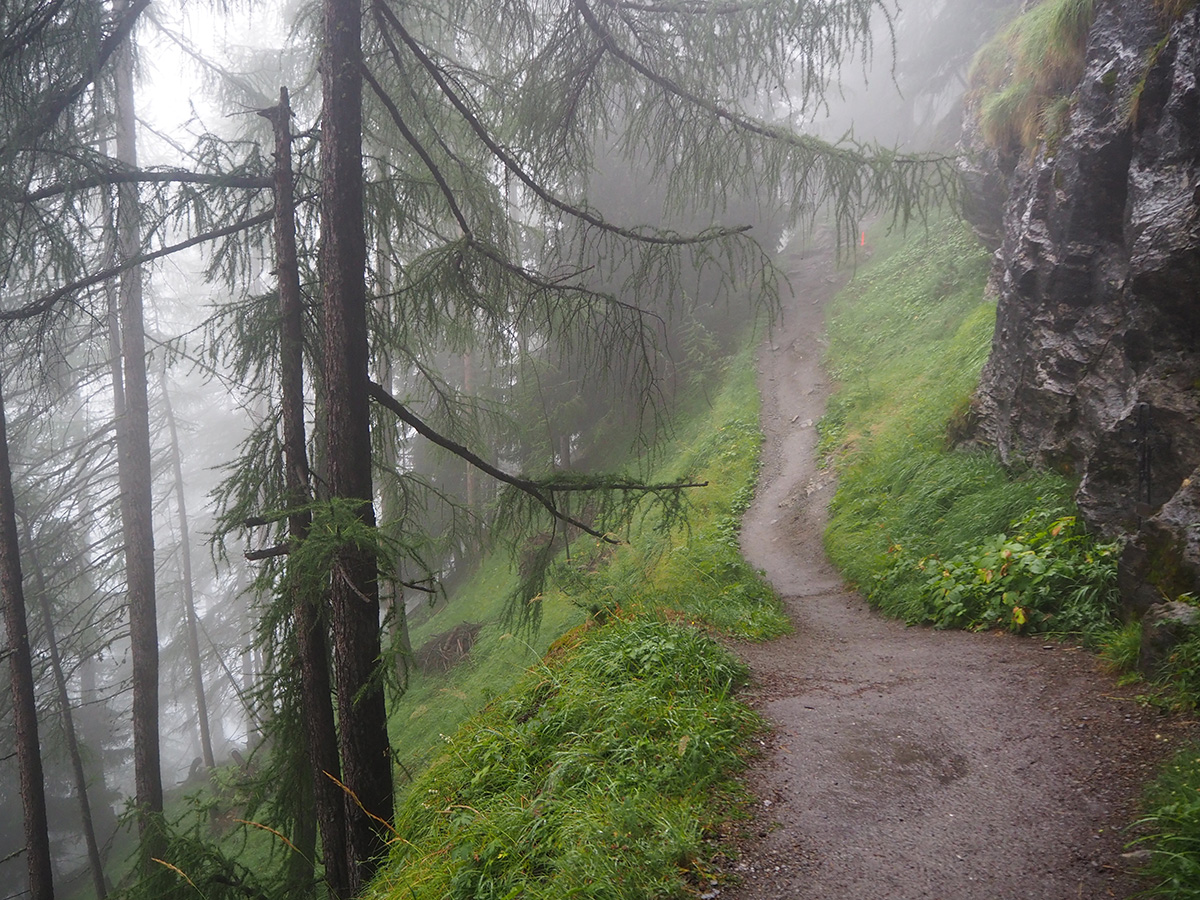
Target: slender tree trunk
(400,636)
(133,433)
(29,758)
(111,292)
(94,739)
(247,676)
(189,600)
(472,476)
(366,759)
(95,864)
(317,708)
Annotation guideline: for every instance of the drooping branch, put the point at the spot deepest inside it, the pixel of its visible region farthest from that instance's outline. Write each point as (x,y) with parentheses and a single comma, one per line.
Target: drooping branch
(164,176)
(542,491)
(387,18)
(842,159)
(394,111)
(684,7)
(46,302)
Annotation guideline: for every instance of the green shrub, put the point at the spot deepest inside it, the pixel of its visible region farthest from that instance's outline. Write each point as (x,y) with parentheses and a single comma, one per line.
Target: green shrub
(1044,575)
(1183,672)
(1121,645)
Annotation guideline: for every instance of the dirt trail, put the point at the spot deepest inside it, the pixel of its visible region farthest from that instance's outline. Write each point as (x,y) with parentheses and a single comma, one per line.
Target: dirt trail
(906,762)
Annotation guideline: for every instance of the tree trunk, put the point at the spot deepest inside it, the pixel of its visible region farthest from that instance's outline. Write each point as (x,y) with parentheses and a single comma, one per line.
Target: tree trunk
(362,714)
(95,864)
(90,719)
(473,504)
(317,708)
(29,758)
(247,685)
(133,435)
(400,638)
(189,600)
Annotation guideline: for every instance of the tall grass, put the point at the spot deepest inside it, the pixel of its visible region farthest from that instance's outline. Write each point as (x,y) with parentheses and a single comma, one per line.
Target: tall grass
(591,778)
(1022,76)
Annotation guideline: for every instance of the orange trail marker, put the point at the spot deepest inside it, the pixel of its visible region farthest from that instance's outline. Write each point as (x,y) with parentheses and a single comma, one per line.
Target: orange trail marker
(863,242)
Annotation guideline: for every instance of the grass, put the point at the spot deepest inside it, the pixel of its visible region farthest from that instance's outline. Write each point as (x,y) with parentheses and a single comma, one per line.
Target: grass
(1171,824)
(1174,821)
(584,761)
(930,532)
(591,778)
(1022,77)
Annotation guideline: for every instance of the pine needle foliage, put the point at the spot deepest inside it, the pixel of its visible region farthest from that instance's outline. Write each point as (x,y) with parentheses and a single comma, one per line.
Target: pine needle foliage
(1021,79)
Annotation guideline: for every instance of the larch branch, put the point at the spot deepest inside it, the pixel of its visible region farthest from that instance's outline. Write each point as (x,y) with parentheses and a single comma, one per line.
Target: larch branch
(46,302)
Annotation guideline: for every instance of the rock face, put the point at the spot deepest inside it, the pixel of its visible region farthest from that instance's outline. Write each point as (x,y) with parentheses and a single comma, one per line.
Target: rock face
(1164,627)
(1095,364)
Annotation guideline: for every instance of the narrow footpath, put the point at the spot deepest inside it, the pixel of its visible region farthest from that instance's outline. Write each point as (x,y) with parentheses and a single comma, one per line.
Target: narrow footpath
(906,762)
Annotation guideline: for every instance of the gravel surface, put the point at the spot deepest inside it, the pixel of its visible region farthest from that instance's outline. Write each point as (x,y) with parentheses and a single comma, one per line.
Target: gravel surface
(906,762)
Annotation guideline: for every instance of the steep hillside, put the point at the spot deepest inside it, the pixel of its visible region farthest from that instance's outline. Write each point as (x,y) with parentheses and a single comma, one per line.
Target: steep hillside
(1095,364)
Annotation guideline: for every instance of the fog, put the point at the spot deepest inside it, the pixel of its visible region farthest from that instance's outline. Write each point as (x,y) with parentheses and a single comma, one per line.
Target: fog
(533,389)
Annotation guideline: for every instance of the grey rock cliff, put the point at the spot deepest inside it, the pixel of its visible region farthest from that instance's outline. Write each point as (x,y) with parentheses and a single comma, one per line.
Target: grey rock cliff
(1095,364)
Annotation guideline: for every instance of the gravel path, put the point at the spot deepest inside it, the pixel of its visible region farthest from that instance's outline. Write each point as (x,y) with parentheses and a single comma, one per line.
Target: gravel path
(906,762)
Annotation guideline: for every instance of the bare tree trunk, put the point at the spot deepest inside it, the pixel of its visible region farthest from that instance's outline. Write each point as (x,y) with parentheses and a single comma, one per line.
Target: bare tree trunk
(133,434)
(247,676)
(95,864)
(103,816)
(320,729)
(189,599)
(390,462)
(366,756)
(29,758)
(472,475)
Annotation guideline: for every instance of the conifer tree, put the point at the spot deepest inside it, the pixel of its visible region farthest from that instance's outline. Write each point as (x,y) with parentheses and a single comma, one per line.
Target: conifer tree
(466,98)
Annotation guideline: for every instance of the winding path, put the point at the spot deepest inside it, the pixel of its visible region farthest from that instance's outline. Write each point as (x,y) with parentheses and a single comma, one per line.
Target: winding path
(905,762)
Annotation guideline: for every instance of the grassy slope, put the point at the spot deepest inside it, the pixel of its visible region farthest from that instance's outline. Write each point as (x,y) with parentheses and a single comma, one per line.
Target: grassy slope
(907,339)
(591,770)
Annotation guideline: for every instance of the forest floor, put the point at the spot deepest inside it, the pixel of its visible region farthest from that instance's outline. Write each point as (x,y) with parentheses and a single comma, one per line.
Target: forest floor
(906,762)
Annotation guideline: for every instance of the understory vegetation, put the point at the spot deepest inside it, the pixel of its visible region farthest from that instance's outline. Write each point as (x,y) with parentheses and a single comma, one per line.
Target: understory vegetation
(933,530)
(585,763)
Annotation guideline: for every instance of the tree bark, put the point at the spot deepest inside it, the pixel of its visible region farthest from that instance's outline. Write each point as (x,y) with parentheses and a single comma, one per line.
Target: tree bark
(29,759)
(362,714)
(317,708)
(191,630)
(95,864)
(133,434)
